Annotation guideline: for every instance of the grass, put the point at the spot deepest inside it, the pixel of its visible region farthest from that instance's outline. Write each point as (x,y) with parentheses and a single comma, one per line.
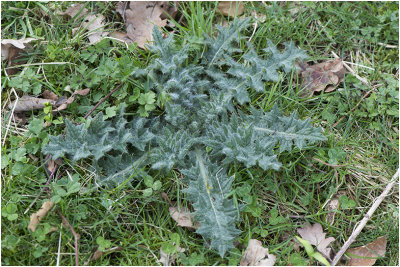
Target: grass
(366,141)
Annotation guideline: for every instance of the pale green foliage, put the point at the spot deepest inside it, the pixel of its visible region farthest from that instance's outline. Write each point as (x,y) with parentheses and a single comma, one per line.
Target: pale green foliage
(200,113)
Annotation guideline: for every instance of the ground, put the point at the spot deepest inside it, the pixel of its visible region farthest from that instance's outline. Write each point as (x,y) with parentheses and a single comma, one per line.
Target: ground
(359,118)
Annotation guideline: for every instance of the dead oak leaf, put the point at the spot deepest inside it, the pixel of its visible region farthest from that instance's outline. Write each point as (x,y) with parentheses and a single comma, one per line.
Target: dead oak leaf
(257,255)
(230,8)
(183,217)
(8,45)
(140,19)
(71,99)
(368,254)
(168,259)
(73,10)
(38,216)
(332,206)
(325,75)
(27,103)
(95,25)
(11,50)
(315,235)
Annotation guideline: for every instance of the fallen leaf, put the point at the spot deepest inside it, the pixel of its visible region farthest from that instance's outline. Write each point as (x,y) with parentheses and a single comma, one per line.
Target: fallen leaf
(27,103)
(71,99)
(182,217)
(140,18)
(98,254)
(11,49)
(257,255)
(73,10)
(333,206)
(38,216)
(92,23)
(169,10)
(7,45)
(316,237)
(95,25)
(325,75)
(368,254)
(230,8)
(168,259)
(51,164)
(50,95)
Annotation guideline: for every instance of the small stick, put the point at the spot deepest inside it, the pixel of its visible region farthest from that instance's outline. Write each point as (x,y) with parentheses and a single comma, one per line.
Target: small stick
(44,188)
(364,81)
(364,221)
(359,102)
(76,236)
(103,99)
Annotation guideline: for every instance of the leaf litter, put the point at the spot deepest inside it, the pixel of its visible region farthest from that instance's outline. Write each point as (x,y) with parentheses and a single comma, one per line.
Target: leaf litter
(230,8)
(333,206)
(140,19)
(27,103)
(315,235)
(167,259)
(11,50)
(368,254)
(182,215)
(38,216)
(94,24)
(256,255)
(323,76)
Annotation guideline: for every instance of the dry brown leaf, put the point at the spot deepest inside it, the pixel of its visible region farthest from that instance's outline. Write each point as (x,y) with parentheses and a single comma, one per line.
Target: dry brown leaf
(333,205)
(71,99)
(27,103)
(316,237)
(50,95)
(98,254)
(325,75)
(230,8)
(140,18)
(10,50)
(92,23)
(257,255)
(182,217)
(370,252)
(8,45)
(95,25)
(38,216)
(171,10)
(73,10)
(168,259)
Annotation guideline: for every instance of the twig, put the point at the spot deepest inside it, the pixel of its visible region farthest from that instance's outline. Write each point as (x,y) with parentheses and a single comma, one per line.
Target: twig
(76,236)
(359,102)
(364,81)
(44,188)
(103,99)
(364,221)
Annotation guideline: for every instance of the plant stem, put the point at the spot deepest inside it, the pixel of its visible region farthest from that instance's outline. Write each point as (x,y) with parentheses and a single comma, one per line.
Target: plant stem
(76,235)
(103,99)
